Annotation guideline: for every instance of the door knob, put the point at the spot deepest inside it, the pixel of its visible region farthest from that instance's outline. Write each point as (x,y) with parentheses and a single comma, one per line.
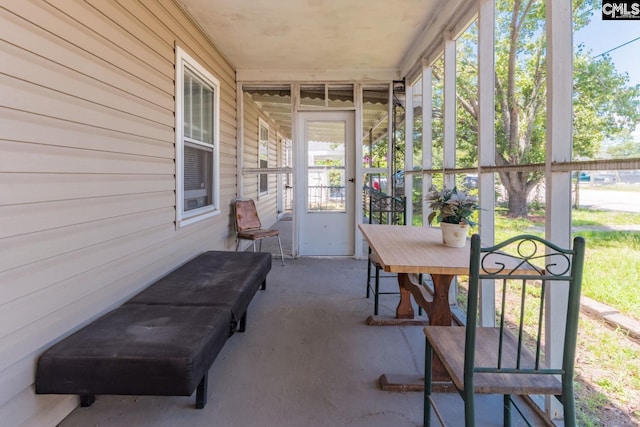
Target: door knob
(352,180)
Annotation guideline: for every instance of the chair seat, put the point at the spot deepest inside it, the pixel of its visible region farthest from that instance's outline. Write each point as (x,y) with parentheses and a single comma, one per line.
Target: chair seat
(257,234)
(449,342)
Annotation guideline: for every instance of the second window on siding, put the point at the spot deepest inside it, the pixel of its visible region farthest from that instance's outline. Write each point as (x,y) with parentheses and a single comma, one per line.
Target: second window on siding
(263,157)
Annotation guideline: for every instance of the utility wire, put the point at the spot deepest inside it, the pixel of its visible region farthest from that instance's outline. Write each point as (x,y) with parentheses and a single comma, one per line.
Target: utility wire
(617,47)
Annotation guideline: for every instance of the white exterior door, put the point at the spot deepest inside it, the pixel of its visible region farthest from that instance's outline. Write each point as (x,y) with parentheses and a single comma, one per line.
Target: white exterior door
(326,188)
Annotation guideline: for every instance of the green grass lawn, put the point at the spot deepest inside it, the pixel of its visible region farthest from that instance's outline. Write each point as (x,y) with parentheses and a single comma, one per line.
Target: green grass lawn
(611,268)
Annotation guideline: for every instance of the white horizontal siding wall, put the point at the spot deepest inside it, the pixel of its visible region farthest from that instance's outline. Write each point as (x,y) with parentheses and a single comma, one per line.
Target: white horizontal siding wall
(250,146)
(266,204)
(87,172)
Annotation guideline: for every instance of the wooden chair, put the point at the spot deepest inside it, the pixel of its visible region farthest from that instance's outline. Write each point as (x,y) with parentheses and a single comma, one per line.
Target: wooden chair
(249,227)
(507,359)
(382,209)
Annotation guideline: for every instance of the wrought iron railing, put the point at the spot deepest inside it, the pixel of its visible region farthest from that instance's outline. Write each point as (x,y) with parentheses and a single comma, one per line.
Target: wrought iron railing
(326,198)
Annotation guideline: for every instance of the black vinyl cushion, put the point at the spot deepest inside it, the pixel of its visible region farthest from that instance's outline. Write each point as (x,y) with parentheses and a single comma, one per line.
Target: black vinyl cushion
(215,278)
(137,349)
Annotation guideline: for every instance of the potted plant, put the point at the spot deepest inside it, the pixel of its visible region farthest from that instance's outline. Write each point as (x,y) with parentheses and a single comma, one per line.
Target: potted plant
(453,210)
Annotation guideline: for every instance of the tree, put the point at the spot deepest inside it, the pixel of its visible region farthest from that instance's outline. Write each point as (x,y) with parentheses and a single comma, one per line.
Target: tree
(623,148)
(604,105)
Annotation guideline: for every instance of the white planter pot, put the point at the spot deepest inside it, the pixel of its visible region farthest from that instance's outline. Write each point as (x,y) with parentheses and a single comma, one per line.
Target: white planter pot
(454,235)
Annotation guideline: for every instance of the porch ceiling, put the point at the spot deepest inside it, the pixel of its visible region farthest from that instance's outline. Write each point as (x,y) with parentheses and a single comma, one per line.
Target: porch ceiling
(285,40)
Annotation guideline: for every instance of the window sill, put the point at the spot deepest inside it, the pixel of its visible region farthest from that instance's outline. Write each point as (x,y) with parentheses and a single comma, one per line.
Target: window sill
(182,222)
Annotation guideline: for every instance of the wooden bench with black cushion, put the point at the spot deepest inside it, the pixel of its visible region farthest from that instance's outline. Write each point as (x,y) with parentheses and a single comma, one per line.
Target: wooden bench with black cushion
(215,278)
(163,341)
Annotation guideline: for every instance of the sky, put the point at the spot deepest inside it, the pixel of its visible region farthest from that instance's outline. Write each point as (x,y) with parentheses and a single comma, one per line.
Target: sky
(600,36)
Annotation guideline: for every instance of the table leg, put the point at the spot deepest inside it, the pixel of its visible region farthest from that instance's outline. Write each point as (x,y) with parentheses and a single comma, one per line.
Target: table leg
(439,310)
(436,306)
(404,309)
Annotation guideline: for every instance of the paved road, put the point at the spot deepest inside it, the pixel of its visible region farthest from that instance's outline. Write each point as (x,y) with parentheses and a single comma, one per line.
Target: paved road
(610,199)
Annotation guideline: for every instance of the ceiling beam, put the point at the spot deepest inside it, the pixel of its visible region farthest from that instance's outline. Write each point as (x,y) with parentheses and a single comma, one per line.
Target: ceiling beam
(247,75)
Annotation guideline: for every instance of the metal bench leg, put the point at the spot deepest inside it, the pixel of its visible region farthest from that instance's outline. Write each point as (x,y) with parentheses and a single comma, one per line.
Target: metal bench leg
(201,392)
(87,400)
(243,323)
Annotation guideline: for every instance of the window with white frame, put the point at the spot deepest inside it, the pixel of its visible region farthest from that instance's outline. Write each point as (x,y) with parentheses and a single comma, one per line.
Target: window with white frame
(263,157)
(197,124)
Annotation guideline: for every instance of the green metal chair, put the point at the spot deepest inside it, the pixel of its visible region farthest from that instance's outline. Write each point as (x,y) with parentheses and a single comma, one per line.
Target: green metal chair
(382,209)
(507,359)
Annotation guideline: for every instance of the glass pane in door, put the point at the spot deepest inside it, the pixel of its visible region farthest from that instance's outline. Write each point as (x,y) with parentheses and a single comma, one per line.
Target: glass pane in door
(326,166)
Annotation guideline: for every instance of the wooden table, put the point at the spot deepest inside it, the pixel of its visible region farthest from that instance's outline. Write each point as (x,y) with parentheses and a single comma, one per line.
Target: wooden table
(407,251)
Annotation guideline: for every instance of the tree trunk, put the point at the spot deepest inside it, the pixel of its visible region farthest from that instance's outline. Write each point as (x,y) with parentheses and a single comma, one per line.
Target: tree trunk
(518,188)
(517,203)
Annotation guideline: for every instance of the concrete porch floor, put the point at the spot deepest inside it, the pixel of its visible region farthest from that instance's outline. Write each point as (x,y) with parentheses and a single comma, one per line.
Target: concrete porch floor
(307,359)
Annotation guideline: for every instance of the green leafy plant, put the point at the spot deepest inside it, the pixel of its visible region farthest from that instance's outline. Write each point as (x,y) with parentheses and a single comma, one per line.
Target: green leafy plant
(451,206)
